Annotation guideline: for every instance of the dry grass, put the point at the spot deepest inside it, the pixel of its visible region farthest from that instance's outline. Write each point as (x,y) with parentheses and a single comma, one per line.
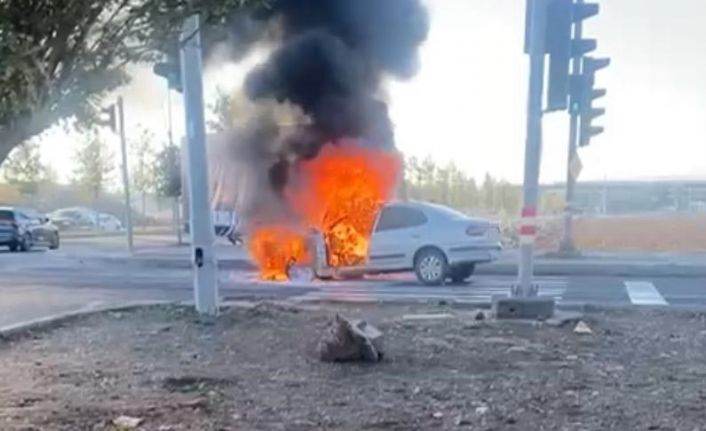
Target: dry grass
(655,233)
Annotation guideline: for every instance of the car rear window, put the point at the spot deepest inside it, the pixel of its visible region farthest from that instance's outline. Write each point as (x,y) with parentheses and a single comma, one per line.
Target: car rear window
(7,215)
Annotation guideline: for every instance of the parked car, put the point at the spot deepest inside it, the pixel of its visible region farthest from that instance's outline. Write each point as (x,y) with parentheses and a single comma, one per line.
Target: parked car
(23,228)
(85,218)
(109,223)
(436,242)
(73,218)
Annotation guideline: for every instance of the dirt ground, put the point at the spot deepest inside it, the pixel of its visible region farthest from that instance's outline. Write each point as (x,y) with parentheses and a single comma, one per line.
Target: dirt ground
(255,369)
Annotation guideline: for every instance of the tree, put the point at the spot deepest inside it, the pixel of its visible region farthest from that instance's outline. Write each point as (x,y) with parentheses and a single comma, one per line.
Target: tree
(93,165)
(58,58)
(168,180)
(489,192)
(24,169)
(221,111)
(143,176)
(168,172)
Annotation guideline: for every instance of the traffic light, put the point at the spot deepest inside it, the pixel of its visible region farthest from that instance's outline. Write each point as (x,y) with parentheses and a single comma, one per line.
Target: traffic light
(583,94)
(171,71)
(109,118)
(562,45)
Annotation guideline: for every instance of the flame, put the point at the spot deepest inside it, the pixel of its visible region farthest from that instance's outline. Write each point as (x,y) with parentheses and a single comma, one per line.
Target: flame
(338,193)
(276,248)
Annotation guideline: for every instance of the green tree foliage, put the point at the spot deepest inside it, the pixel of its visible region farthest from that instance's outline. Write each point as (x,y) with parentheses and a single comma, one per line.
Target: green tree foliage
(143,172)
(221,112)
(450,186)
(168,172)
(24,169)
(58,58)
(93,163)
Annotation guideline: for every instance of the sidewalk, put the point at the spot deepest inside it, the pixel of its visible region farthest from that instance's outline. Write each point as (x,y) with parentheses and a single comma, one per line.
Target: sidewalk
(232,257)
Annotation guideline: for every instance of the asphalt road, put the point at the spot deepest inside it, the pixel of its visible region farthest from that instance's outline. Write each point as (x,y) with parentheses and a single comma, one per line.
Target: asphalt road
(41,283)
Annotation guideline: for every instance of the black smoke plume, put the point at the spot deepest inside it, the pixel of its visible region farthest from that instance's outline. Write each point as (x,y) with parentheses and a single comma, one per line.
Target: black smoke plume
(330,63)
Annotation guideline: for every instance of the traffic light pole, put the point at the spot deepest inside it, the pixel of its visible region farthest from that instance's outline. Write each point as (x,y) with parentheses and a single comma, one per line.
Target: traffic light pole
(524,301)
(533,148)
(126,179)
(567,244)
(201,226)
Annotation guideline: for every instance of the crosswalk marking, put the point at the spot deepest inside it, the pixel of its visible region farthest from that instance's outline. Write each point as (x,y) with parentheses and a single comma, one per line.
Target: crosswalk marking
(644,293)
(474,293)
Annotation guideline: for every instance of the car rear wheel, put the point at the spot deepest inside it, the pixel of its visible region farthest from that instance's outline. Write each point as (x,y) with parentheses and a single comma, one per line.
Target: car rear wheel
(54,244)
(13,247)
(461,273)
(26,242)
(430,266)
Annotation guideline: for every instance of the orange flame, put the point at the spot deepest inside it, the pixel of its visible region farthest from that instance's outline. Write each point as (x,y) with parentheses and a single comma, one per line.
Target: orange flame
(275,249)
(338,193)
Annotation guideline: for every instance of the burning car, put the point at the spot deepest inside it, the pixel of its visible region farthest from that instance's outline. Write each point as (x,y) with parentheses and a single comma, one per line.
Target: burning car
(436,242)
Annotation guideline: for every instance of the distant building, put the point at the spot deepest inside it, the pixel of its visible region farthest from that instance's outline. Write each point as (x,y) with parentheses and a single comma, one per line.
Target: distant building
(629,197)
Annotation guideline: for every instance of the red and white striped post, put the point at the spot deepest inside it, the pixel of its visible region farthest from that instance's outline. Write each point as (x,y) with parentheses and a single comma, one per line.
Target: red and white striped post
(533,147)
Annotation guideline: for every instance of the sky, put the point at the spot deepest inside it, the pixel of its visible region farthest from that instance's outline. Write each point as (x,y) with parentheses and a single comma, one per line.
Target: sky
(468,102)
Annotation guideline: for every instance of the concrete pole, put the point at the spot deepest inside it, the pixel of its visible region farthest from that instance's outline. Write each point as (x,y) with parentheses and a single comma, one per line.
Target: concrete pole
(533,149)
(567,244)
(201,228)
(126,179)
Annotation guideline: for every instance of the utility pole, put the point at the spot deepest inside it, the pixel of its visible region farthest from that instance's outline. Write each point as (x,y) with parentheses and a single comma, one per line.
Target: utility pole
(126,179)
(533,148)
(567,244)
(201,228)
(524,302)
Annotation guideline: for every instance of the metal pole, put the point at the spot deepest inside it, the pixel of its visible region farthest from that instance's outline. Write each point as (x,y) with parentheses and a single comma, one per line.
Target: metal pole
(568,245)
(126,180)
(201,229)
(533,149)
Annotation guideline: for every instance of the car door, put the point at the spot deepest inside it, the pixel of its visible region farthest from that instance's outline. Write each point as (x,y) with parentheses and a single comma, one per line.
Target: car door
(398,233)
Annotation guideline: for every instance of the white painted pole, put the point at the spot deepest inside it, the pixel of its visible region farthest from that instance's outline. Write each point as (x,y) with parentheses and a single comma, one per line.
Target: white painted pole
(201,224)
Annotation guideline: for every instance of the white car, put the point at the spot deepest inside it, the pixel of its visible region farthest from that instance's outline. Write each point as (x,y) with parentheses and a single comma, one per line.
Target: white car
(109,223)
(436,242)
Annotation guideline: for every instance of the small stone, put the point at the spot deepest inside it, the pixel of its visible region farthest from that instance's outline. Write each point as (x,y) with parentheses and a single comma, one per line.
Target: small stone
(350,340)
(461,421)
(572,357)
(437,415)
(481,410)
(582,328)
(416,390)
(127,422)
(480,315)
(237,416)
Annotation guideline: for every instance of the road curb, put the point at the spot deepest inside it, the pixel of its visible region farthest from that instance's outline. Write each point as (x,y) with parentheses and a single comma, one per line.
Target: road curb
(52,321)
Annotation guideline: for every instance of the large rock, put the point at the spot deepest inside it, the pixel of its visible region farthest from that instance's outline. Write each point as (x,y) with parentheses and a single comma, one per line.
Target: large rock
(350,340)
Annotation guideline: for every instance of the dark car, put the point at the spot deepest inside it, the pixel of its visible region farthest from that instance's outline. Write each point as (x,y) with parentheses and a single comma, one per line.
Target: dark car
(23,228)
